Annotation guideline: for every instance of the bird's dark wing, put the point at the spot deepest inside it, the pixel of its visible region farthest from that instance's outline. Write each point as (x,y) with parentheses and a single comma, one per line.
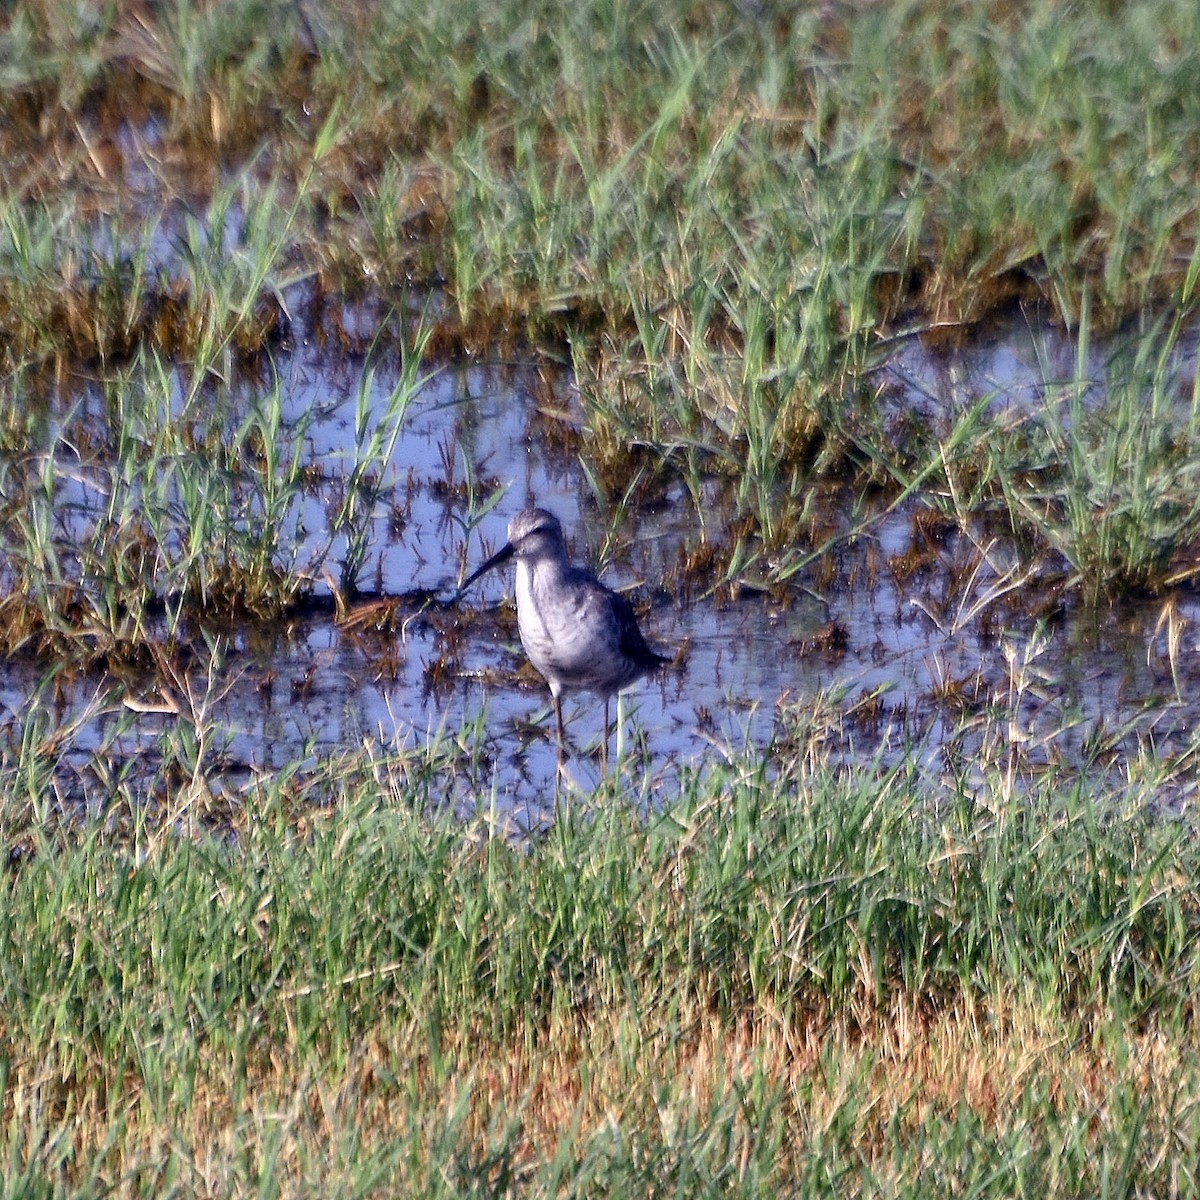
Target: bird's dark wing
(632,643)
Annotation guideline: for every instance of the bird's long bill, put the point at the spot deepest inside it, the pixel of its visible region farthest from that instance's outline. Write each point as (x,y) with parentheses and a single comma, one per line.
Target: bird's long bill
(501,556)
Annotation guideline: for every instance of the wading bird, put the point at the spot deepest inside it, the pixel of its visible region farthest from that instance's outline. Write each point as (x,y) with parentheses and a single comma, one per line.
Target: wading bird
(581,636)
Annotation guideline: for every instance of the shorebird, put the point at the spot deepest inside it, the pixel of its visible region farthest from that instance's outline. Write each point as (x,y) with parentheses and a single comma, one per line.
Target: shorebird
(580,635)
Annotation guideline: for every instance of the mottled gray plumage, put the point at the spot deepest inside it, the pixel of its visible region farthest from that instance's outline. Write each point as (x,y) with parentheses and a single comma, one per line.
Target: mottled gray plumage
(581,636)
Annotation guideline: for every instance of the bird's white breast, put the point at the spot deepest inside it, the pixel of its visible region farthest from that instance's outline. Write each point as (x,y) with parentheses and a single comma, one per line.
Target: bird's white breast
(568,636)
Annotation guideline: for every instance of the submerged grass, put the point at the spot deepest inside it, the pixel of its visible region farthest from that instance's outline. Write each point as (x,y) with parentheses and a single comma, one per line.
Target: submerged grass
(791,977)
(176,493)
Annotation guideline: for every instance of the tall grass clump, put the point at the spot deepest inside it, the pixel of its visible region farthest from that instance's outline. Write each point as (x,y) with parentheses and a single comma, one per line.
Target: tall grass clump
(174,497)
(1108,477)
(74,287)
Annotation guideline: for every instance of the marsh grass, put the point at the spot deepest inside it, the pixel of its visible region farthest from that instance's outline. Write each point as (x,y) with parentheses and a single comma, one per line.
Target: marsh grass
(923,159)
(790,973)
(1124,507)
(1098,469)
(724,217)
(174,495)
(780,973)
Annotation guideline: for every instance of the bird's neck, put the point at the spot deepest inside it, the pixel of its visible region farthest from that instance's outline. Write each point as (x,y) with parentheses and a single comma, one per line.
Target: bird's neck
(541,573)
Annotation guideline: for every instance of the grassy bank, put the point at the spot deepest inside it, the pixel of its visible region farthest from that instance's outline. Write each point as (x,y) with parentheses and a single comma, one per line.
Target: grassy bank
(795,978)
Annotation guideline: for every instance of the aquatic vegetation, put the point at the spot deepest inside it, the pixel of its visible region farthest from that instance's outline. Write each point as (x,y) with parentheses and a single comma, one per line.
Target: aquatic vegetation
(726,223)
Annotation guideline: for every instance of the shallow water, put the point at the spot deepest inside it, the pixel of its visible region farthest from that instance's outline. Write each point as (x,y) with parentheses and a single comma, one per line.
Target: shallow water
(943,647)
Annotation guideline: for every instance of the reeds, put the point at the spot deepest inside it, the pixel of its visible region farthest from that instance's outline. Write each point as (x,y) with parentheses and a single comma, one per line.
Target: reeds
(174,497)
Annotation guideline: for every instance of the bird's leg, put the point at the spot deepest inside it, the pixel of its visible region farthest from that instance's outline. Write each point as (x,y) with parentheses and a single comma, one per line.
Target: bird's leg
(604,743)
(562,737)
